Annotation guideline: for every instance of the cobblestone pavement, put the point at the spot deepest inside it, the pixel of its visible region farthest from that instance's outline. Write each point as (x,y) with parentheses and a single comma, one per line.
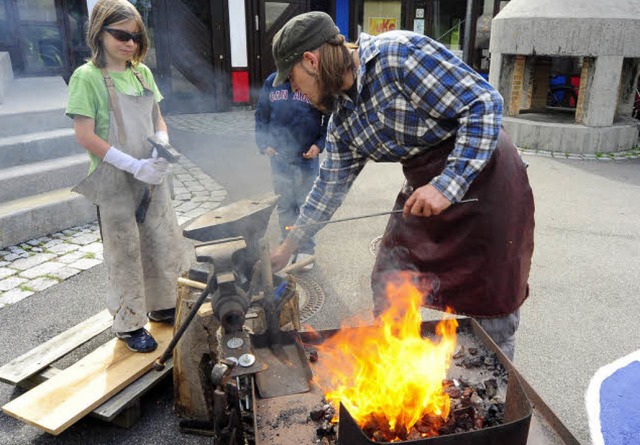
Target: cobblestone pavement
(43,262)
(215,123)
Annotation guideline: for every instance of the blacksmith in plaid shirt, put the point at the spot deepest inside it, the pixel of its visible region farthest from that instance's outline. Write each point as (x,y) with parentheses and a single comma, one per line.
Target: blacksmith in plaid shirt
(402,97)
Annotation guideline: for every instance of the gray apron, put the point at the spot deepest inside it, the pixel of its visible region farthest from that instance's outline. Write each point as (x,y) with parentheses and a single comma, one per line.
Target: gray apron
(143,260)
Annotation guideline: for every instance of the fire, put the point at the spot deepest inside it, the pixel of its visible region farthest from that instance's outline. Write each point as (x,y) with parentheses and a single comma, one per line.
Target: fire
(387,375)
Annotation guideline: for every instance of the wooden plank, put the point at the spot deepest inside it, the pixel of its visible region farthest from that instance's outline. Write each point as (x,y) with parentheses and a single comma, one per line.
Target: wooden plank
(40,357)
(58,403)
(116,404)
(42,376)
(112,407)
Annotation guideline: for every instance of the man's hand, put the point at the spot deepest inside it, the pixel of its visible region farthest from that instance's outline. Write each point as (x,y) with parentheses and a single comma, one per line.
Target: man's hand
(270,151)
(312,153)
(425,201)
(281,254)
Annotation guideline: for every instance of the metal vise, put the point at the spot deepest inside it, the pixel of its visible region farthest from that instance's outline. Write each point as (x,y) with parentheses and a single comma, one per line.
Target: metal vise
(230,239)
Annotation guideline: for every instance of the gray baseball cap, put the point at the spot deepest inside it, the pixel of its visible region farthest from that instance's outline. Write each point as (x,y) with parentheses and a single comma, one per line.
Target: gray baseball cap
(304,32)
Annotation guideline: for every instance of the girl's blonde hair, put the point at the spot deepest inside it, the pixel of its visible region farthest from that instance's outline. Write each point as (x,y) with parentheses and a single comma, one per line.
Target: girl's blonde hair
(108,12)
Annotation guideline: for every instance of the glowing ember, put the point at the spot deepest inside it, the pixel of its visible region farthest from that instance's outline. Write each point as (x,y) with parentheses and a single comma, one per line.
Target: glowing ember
(387,375)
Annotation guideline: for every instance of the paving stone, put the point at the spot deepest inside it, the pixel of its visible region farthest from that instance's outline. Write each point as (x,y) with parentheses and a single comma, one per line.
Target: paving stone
(42,283)
(14,295)
(32,261)
(10,283)
(71,257)
(200,199)
(183,219)
(63,248)
(196,212)
(210,205)
(85,263)
(85,238)
(43,269)
(11,257)
(187,206)
(4,263)
(93,248)
(65,272)
(37,241)
(52,242)
(6,272)
(4,252)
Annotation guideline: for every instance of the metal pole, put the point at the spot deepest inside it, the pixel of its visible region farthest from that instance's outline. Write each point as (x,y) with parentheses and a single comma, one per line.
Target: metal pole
(466,48)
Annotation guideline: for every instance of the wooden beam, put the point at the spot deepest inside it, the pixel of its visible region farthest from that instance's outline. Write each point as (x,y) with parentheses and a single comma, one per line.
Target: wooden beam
(42,356)
(61,401)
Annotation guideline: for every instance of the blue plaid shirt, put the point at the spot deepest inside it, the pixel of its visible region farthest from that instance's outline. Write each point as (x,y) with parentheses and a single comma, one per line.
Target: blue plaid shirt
(412,94)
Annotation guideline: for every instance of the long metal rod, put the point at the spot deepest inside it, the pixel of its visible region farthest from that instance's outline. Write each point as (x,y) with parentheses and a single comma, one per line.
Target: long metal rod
(363,216)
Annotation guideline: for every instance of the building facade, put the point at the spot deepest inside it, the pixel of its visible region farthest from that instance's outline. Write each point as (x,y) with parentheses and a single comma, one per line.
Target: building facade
(210,54)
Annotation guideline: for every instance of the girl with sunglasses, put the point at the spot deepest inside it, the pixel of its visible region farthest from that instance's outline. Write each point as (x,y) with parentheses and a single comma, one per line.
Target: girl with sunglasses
(113,101)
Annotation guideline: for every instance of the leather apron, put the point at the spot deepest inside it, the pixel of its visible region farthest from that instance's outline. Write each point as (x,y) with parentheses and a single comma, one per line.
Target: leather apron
(143,260)
(476,256)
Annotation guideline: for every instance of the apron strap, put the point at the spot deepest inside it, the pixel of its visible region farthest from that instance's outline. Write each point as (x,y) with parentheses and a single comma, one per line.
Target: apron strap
(113,105)
(156,109)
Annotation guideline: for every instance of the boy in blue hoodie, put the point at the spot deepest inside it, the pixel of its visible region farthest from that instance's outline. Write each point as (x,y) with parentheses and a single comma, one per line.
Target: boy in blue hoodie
(291,132)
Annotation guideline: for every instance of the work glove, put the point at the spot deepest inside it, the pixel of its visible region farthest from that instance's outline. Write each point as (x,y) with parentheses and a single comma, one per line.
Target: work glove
(151,171)
(162,136)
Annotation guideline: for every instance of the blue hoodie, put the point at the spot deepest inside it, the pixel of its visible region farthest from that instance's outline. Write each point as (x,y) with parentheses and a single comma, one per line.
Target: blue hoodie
(288,122)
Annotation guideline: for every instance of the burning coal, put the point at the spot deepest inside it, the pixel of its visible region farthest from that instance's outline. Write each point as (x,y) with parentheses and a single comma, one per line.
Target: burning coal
(387,375)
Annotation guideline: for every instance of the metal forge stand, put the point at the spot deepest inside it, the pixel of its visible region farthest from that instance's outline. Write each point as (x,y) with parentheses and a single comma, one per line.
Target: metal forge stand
(248,307)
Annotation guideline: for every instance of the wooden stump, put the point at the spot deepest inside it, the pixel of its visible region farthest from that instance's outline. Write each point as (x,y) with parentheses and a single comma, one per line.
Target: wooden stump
(192,355)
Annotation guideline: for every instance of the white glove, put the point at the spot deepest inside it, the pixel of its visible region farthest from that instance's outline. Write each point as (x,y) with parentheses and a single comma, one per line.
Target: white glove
(152,171)
(163,136)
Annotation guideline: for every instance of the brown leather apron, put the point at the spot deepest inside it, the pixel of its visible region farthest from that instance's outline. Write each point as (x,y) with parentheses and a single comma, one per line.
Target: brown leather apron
(479,253)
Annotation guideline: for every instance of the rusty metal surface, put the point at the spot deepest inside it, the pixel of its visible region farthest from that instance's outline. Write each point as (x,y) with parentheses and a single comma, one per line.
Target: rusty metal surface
(285,420)
(287,370)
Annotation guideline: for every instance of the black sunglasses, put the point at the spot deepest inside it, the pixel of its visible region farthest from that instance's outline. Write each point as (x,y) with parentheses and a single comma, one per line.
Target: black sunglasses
(124,36)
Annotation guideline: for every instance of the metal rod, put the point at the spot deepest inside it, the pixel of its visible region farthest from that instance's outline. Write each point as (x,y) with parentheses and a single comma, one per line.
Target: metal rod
(158,365)
(364,216)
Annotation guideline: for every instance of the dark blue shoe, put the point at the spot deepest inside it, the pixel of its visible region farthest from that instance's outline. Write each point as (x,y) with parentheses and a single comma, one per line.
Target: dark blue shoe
(163,315)
(138,341)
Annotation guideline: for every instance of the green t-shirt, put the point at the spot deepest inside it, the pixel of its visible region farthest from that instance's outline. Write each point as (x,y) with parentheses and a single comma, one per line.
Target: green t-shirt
(88,95)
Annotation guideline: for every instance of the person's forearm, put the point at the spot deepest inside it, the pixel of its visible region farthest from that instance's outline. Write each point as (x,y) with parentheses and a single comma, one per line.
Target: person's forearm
(161,125)
(93,144)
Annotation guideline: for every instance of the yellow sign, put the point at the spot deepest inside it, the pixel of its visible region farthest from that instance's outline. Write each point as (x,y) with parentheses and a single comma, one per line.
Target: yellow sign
(378,25)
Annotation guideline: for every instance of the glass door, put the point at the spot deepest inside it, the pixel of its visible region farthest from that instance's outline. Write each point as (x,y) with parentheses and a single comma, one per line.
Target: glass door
(40,37)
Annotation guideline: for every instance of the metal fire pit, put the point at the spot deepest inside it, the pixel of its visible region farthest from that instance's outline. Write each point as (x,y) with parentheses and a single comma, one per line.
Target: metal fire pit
(517,412)
(527,419)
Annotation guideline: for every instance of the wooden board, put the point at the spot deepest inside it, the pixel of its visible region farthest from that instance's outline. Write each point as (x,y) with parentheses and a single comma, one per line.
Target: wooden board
(112,407)
(58,403)
(40,357)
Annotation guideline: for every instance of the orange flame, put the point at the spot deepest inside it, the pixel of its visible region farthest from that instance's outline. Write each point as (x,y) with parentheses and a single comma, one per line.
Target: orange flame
(388,370)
